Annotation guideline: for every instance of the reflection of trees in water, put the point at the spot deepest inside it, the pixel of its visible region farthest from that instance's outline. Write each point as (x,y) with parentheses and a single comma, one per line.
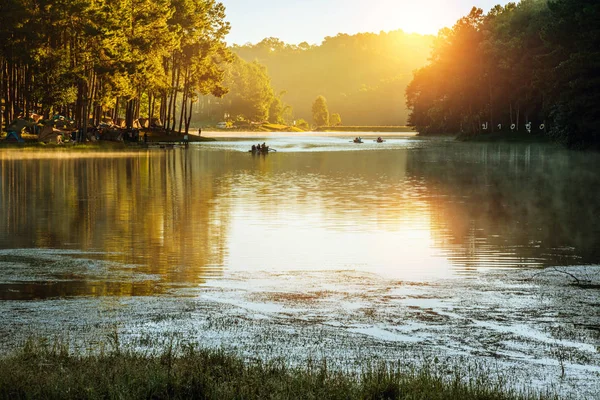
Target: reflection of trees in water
(156,211)
(357,188)
(170,212)
(512,204)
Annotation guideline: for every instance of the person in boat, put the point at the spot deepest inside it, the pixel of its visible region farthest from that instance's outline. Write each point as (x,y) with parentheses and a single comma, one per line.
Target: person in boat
(254,148)
(265,147)
(379,139)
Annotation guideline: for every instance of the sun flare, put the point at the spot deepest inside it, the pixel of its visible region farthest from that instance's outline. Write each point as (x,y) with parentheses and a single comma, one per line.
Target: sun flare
(423,17)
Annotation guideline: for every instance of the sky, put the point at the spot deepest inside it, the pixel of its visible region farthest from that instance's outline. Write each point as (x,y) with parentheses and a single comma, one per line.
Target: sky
(295,21)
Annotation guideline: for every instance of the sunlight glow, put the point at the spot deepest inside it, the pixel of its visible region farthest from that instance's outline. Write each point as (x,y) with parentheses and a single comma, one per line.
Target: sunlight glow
(423,17)
(295,21)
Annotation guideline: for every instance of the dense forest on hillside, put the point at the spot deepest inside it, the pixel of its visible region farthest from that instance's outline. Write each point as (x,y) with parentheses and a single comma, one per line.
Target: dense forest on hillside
(250,98)
(362,76)
(531,67)
(87,59)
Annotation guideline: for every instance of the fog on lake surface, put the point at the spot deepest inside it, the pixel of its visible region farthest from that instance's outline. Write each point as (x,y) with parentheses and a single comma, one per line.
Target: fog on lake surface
(406,209)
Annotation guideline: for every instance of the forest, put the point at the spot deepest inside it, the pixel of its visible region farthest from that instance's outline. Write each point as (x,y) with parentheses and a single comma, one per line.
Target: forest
(362,76)
(529,68)
(88,60)
(167,61)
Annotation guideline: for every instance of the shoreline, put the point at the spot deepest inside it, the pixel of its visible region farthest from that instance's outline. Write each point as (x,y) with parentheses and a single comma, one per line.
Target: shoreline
(212,135)
(375,129)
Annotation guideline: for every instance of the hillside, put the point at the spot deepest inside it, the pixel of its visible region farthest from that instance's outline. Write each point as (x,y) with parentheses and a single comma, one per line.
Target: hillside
(363,76)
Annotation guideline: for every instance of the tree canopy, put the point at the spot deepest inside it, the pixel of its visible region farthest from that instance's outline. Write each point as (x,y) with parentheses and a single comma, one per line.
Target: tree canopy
(320,112)
(363,76)
(530,67)
(335,119)
(96,58)
(250,96)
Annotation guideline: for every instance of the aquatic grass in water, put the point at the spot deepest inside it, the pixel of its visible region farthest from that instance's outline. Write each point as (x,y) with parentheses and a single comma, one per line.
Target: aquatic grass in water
(44,369)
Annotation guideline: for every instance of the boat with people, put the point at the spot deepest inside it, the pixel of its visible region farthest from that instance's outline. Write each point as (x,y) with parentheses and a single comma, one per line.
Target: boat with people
(379,140)
(358,140)
(260,149)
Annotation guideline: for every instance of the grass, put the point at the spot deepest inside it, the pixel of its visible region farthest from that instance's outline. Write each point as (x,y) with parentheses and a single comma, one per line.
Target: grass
(364,129)
(41,369)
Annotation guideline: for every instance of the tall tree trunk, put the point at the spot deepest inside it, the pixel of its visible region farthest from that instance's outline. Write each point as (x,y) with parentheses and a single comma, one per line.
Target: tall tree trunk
(175,93)
(2,93)
(163,108)
(491,106)
(518,111)
(115,115)
(189,117)
(151,108)
(167,121)
(9,93)
(184,98)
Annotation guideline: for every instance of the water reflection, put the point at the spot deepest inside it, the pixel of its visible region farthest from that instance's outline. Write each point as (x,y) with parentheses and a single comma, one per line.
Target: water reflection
(156,211)
(512,205)
(146,222)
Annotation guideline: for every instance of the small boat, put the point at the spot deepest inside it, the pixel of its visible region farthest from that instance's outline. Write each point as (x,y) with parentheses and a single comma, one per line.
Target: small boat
(357,141)
(261,151)
(379,140)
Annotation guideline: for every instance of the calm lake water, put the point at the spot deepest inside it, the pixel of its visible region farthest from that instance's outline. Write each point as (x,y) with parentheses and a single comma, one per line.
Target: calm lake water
(405,251)
(408,209)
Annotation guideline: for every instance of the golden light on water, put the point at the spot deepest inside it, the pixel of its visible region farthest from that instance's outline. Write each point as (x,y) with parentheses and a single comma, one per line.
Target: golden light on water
(172,218)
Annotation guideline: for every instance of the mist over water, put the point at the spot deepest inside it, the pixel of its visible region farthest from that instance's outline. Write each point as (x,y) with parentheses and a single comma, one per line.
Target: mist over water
(406,209)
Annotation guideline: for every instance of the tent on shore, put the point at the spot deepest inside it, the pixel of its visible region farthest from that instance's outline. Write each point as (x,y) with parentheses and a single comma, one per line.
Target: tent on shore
(113,135)
(19,124)
(13,136)
(49,134)
(15,129)
(143,123)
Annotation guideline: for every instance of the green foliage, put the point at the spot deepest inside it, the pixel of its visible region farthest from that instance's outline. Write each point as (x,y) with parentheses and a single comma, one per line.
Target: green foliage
(533,62)
(302,124)
(79,57)
(251,95)
(572,81)
(335,119)
(279,112)
(362,76)
(52,372)
(320,112)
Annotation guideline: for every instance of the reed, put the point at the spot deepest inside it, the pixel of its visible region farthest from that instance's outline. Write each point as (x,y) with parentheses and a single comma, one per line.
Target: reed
(41,369)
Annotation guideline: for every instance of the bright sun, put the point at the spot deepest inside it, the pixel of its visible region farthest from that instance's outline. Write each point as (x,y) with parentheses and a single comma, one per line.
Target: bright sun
(421,16)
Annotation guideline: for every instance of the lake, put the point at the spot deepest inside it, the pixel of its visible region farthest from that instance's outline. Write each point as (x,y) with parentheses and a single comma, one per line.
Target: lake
(324,248)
